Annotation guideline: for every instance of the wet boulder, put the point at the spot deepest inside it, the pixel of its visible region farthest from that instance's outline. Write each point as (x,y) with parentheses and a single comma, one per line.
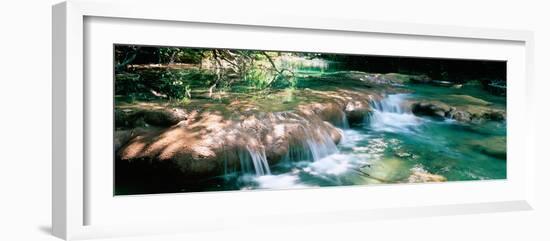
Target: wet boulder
(215,144)
(459,115)
(328,111)
(356,111)
(495,115)
(433,109)
(334,133)
(482,111)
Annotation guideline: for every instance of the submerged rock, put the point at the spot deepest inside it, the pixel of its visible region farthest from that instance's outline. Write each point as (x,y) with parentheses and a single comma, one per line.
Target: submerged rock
(403,154)
(468,99)
(492,146)
(419,175)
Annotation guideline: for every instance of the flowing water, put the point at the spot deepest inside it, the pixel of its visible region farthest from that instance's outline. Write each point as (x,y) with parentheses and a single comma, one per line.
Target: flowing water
(390,146)
(253,160)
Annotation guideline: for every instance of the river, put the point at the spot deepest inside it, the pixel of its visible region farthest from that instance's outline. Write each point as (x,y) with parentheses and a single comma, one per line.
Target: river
(390,145)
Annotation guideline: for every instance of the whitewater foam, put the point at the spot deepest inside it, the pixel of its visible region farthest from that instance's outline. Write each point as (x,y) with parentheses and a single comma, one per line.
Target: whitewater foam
(282,181)
(389,115)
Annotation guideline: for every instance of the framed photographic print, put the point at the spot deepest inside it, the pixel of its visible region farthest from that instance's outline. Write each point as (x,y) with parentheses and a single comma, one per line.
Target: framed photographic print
(163,120)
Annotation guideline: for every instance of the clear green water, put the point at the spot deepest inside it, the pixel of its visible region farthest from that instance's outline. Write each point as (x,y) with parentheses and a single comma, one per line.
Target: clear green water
(393,146)
(391,149)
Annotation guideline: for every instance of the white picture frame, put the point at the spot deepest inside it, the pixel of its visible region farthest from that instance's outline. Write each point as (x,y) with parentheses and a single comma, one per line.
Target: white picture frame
(73,187)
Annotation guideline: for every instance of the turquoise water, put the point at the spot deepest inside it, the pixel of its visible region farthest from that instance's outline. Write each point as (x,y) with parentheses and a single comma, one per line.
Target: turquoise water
(394,146)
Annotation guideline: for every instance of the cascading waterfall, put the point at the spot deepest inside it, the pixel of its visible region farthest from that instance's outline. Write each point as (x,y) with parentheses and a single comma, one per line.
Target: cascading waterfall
(391,103)
(314,152)
(260,161)
(317,145)
(227,171)
(297,152)
(320,144)
(253,160)
(344,122)
(389,115)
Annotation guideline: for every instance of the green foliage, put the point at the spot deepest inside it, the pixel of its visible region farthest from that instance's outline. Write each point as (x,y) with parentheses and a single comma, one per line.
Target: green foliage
(178,84)
(138,74)
(162,83)
(185,101)
(128,83)
(173,84)
(285,81)
(181,55)
(258,78)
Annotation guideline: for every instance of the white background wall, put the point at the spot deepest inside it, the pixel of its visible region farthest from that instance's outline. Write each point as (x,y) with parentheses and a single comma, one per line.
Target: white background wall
(25,120)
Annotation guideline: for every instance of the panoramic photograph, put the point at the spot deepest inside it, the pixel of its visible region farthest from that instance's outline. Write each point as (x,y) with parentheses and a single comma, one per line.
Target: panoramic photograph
(211,119)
